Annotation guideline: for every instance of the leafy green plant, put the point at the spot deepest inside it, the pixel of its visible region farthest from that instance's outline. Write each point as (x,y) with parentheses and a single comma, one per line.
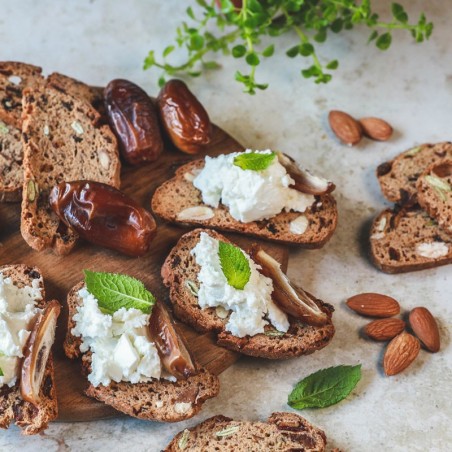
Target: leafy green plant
(246,29)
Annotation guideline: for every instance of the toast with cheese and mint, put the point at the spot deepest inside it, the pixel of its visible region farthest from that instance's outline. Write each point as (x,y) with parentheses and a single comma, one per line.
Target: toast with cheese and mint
(163,399)
(434,190)
(179,201)
(181,274)
(31,418)
(282,432)
(407,239)
(398,177)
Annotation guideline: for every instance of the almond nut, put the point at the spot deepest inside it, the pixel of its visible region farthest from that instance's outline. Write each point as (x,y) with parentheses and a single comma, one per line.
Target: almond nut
(374,305)
(345,127)
(400,353)
(425,328)
(384,329)
(376,129)
(196,213)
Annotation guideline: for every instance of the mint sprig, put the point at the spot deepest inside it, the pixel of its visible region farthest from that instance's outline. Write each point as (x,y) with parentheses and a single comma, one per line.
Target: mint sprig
(234,264)
(115,291)
(249,30)
(325,387)
(254,161)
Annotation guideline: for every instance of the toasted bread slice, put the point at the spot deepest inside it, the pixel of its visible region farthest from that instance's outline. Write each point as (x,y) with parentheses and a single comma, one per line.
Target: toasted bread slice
(407,239)
(398,177)
(62,141)
(14,77)
(31,419)
(282,432)
(180,267)
(178,194)
(158,400)
(434,191)
(11,157)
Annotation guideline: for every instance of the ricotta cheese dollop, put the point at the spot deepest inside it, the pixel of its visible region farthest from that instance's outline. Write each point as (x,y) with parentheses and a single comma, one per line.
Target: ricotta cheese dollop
(250,195)
(120,347)
(251,308)
(18,311)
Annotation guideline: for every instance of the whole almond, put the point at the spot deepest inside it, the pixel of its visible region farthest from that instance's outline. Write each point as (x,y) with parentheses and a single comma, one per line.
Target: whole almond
(384,329)
(425,328)
(374,305)
(376,128)
(345,127)
(400,353)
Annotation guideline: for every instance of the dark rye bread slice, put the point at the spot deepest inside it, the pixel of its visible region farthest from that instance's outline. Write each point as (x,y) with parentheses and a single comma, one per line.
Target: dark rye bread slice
(13,408)
(180,267)
(11,157)
(398,177)
(158,400)
(178,194)
(14,77)
(407,239)
(94,95)
(434,191)
(282,432)
(62,141)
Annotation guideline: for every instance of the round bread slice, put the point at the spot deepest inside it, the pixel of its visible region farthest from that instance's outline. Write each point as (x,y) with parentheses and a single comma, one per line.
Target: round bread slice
(407,239)
(398,177)
(434,188)
(30,418)
(179,273)
(282,432)
(158,400)
(173,198)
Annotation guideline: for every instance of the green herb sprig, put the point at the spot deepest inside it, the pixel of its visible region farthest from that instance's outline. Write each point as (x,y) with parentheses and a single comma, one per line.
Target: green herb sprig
(234,264)
(247,30)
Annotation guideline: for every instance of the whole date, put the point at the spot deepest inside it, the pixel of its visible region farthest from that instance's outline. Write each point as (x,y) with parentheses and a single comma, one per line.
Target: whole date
(104,216)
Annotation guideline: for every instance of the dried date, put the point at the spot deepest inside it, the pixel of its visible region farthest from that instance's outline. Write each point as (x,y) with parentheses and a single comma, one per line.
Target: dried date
(104,216)
(183,117)
(134,119)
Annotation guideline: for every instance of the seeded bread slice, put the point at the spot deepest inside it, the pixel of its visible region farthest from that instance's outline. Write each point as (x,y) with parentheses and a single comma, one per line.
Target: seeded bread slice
(282,432)
(398,177)
(179,193)
(180,268)
(434,191)
(14,77)
(61,142)
(11,156)
(13,408)
(407,239)
(158,400)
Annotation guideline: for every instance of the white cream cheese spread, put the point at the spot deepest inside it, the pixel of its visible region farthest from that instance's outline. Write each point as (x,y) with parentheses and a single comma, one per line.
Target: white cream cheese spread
(18,311)
(120,347)
(250,195)
(251,308)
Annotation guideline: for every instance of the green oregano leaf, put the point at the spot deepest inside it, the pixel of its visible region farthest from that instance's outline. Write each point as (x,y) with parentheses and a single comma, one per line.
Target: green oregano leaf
(254,161)
(234,264)
(114,291)
(325,387)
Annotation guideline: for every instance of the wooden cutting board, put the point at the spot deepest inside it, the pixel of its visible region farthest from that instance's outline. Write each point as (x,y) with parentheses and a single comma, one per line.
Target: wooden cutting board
(63,272)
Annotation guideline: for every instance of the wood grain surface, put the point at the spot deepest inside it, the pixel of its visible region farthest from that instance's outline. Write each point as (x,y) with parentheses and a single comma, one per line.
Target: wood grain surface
(63,272)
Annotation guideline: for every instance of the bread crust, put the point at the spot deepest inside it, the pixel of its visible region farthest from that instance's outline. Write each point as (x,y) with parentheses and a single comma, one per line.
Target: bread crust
(180,266)
(281,432)
(393,247)
(13,408)
(178,193)
(156,400)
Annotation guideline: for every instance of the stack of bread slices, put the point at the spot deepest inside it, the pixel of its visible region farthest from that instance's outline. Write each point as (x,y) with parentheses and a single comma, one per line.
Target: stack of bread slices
(417,232)
(51,129)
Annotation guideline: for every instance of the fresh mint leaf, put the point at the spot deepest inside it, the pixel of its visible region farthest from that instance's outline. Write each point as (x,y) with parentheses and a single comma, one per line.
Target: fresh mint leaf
(325,387)
(114,291)
(254,161)
(234,264)
(1,373)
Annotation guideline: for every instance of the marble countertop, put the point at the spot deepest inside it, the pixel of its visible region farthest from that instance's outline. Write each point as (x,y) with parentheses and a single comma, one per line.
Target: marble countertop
(410,86)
